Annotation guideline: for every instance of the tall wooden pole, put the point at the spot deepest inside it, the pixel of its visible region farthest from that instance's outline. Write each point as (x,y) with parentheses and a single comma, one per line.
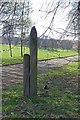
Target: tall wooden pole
(33,62)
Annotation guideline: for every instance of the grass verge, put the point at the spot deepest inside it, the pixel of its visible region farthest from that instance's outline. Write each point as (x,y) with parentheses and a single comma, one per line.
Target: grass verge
(60,100)
(42,54)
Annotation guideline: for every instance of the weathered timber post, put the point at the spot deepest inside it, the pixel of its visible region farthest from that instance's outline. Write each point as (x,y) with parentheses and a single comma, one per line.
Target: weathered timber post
(33,62)
(26,74)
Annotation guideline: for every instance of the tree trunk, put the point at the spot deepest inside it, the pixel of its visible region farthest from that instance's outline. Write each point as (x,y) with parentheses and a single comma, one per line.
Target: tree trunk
(10,46)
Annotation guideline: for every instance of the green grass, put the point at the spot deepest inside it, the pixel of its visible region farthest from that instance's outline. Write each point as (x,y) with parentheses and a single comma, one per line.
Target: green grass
(60,100)
(42,54)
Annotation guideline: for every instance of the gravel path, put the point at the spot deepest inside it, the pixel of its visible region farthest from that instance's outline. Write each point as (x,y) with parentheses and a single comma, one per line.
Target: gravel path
(14,73)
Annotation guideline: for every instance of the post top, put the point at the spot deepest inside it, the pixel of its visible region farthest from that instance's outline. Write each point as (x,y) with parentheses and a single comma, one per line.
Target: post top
(33,32)
(34,27)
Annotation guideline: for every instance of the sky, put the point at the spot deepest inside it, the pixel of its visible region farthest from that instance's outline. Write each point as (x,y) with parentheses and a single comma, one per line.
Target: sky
(41,24)
(60,22)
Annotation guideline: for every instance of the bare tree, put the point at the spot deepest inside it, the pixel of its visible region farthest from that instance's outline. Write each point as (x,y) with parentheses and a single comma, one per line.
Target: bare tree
(57,6)
(15,15)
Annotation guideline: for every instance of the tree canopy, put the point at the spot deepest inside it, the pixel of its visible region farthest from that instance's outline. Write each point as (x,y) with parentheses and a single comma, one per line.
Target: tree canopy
(15,15)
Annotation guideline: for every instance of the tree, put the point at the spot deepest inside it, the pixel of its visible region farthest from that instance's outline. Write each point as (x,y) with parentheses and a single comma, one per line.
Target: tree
(53,8)
(15,15)
(79,20)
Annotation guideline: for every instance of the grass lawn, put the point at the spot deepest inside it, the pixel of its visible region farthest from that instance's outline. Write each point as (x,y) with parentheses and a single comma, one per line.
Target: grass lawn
(60,100)
(42,54)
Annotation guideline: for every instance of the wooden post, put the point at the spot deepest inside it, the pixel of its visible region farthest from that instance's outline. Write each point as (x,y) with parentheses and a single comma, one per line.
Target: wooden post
(26,74)
(33,62)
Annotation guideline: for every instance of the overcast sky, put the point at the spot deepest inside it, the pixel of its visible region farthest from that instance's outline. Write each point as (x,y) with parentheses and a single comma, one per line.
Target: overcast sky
(41,23)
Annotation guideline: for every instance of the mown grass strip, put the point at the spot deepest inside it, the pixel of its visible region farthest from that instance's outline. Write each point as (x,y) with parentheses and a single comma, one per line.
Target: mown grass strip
(42,54)
(60,100)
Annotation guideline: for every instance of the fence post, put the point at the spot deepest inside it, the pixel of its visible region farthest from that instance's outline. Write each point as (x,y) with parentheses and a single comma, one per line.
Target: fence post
(33,62)
(26,74)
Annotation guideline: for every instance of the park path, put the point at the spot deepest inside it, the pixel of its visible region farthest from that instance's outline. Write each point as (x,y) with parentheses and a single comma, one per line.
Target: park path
(14,73)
